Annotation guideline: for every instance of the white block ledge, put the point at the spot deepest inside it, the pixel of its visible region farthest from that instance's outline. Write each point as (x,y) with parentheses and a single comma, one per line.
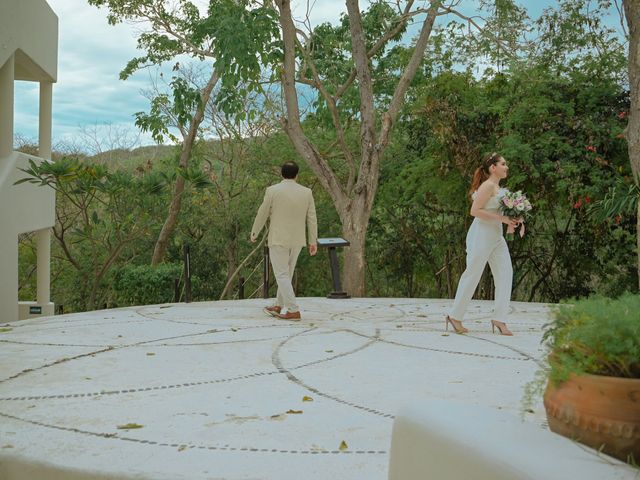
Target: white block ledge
(452,441)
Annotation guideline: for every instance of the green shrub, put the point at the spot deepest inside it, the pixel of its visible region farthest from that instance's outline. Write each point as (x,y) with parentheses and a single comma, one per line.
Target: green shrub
(145,284)
(598,336)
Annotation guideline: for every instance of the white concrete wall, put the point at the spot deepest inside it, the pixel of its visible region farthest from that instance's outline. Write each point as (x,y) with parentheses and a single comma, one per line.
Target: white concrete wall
(25,208)
(30,28)
(31,207)
(28,51)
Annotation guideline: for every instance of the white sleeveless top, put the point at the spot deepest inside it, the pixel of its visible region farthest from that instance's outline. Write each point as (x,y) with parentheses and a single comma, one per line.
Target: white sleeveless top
(493,204)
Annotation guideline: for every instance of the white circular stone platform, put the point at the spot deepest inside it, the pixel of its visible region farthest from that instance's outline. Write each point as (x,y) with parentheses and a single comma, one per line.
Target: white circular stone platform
(220,390)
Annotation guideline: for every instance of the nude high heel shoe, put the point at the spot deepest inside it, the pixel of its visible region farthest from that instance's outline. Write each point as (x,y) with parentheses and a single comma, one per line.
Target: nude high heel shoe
(502,328)
(457,328)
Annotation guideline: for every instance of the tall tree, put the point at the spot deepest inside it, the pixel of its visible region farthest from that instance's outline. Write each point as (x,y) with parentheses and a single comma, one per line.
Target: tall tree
(350,68)
(186,113)
(230,34)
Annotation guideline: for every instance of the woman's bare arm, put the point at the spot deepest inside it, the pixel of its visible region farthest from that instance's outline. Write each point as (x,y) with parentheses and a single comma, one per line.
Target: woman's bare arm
(485,192)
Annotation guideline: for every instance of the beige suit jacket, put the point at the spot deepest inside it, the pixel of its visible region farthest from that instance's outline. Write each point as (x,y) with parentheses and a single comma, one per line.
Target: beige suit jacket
(288,206)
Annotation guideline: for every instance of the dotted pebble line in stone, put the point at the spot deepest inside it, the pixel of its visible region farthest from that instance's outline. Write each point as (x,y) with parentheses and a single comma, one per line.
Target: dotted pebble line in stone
(520,352)
(178,385)
(138,390)
(455,352)
(275,358)
(111,436)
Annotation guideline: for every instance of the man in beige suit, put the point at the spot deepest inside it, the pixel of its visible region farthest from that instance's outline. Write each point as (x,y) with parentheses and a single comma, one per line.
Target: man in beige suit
(289,207)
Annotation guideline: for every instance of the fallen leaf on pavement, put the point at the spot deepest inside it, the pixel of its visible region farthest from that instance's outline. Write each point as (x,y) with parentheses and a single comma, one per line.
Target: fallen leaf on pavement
(129,426)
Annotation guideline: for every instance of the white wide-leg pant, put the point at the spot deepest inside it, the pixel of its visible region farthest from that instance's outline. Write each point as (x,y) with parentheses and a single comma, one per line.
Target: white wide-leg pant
(485,243)
(283,262)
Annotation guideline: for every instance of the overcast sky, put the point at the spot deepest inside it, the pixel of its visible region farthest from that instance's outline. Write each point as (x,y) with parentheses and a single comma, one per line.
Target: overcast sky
(91,54)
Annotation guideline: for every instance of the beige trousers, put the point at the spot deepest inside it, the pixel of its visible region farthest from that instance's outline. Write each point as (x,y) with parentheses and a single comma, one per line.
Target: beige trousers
(283,262)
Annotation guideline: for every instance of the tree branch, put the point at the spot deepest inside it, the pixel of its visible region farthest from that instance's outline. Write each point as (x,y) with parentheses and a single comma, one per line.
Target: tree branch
(292,125)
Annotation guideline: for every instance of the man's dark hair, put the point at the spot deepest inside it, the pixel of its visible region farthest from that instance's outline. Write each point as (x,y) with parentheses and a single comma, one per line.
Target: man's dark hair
(289,170)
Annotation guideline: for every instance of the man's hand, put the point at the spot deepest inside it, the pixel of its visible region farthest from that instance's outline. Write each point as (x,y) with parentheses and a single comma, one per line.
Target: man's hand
(313,249)
(252,239)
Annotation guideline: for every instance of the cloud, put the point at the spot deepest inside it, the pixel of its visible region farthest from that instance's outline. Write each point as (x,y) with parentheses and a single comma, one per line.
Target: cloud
(92,53)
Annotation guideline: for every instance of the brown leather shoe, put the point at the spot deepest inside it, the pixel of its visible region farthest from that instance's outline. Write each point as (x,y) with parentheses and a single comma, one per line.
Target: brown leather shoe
(293,316)
(273,311)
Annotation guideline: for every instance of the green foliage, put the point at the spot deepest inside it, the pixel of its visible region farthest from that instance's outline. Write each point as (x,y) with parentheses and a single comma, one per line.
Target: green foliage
(27,261)
(620,200)
(239,37)
(100,215)
(555,108)
(597,336)
(561,135)
(144,284)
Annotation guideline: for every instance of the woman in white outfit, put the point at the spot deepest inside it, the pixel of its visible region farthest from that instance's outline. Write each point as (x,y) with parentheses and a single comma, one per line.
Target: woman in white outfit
(485,243)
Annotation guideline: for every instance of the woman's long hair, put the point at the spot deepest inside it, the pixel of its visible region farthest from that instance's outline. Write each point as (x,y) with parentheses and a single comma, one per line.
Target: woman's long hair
(482,172)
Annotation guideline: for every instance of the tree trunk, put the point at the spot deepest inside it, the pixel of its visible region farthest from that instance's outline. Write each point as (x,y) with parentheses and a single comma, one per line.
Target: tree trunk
(354,229)
(189,140)
(352,201)
(632,14)
(232,260)
(172,219)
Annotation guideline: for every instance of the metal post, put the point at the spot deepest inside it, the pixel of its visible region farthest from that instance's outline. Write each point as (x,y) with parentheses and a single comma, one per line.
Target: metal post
(335,269)
(241,288)
(331,244)
(335,276)
(265,274)
(176,290)
(187,273)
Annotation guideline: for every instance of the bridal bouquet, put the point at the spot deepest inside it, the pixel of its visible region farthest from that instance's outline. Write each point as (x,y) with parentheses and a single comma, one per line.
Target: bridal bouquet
(515,205)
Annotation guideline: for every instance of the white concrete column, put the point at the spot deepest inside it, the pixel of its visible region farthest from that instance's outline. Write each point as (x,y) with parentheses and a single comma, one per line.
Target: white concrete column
(44,131)
(8,278)
(43,237)
(7,74)
(43,244)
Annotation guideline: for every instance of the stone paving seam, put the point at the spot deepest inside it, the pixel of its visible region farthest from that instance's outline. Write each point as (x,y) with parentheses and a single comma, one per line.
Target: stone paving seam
(275,358)
(57,362)
(455,352)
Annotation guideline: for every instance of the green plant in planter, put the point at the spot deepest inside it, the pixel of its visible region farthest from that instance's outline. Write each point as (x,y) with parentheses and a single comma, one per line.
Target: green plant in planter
(593,374)
(597,336)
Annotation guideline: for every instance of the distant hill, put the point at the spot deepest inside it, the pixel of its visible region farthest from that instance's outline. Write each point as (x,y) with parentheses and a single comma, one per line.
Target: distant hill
(130,159)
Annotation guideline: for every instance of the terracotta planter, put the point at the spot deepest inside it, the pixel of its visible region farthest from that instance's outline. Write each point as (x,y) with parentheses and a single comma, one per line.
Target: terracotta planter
(601,412)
